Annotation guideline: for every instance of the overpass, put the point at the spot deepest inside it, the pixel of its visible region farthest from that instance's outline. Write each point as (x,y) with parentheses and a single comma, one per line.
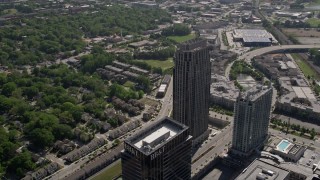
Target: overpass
(278,49)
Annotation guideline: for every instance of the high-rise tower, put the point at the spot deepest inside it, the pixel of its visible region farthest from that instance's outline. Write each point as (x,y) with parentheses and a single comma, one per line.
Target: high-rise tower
(191,87)
(160,151)
(251,120)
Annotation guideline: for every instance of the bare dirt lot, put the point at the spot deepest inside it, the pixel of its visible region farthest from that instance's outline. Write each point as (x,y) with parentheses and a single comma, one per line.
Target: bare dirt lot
(300,32)
(309,36)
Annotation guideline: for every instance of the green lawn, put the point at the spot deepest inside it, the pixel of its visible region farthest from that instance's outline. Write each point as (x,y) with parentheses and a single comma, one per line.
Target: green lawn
(305,68)
(314,22)
(314,3)
(165,64)
(109,173)
(10,11)
(128,84)
(180,39)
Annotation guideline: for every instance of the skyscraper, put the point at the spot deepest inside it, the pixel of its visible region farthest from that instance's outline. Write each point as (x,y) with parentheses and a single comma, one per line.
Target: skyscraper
(160,151)
(252,113)
(191,87)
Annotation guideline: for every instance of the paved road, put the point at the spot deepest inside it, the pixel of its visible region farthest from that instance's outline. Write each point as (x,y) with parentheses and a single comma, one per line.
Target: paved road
(299,122)
(249,55)
(166,102)
(219,144)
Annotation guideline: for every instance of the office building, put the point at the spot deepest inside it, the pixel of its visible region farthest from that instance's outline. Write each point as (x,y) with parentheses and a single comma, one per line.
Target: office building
(191,87)
(252,112)
(160,151)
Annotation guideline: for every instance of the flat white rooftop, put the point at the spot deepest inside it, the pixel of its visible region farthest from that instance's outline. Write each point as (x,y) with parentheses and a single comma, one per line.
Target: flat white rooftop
(299,92)
(290,64)
(162,88)
(157,133)
(304,92)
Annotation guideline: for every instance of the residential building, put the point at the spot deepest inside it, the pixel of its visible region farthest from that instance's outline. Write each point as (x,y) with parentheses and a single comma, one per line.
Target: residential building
(252,112)
(160,151)
(191,87)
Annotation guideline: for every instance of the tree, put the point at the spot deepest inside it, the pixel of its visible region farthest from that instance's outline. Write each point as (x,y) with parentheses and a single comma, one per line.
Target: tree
(21,163)
(62,131)
(41,137)
(176,30)
(30,92)
(8,88)
(116,142)
(8,150)
(3,78)
(144,82)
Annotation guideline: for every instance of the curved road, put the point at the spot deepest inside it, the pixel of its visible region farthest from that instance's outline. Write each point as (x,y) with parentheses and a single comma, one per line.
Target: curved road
(274,49)
(271,49)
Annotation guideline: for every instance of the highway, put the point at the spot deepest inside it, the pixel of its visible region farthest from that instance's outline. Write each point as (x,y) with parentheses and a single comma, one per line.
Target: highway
(271,49)
(274,49)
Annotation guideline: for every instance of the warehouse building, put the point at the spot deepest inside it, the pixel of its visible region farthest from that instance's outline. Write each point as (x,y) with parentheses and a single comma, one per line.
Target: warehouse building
(253,37)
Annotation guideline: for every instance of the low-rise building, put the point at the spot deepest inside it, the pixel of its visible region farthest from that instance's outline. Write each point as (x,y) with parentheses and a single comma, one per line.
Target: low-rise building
(223,92)
(276,66)
(162,90)
(113,69)
(138,70)
(145,4)
(121,65)
(262,170)
(253,37)
(298,100)
(288,150)
(142,43)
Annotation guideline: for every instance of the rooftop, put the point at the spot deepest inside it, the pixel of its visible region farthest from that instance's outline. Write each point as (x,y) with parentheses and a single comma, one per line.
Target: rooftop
(154,137)
(251,33)
(121,64)
(255,92)
(259,169)
(223,88)
(193,44)
(139,69)
(256,39)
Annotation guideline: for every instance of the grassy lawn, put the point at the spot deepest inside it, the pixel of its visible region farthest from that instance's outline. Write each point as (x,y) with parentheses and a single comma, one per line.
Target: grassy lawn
(305,68)
(314,2)
(9,11)
(109,173)
(314,22)
(180,39)
(128,84)
(165,64)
